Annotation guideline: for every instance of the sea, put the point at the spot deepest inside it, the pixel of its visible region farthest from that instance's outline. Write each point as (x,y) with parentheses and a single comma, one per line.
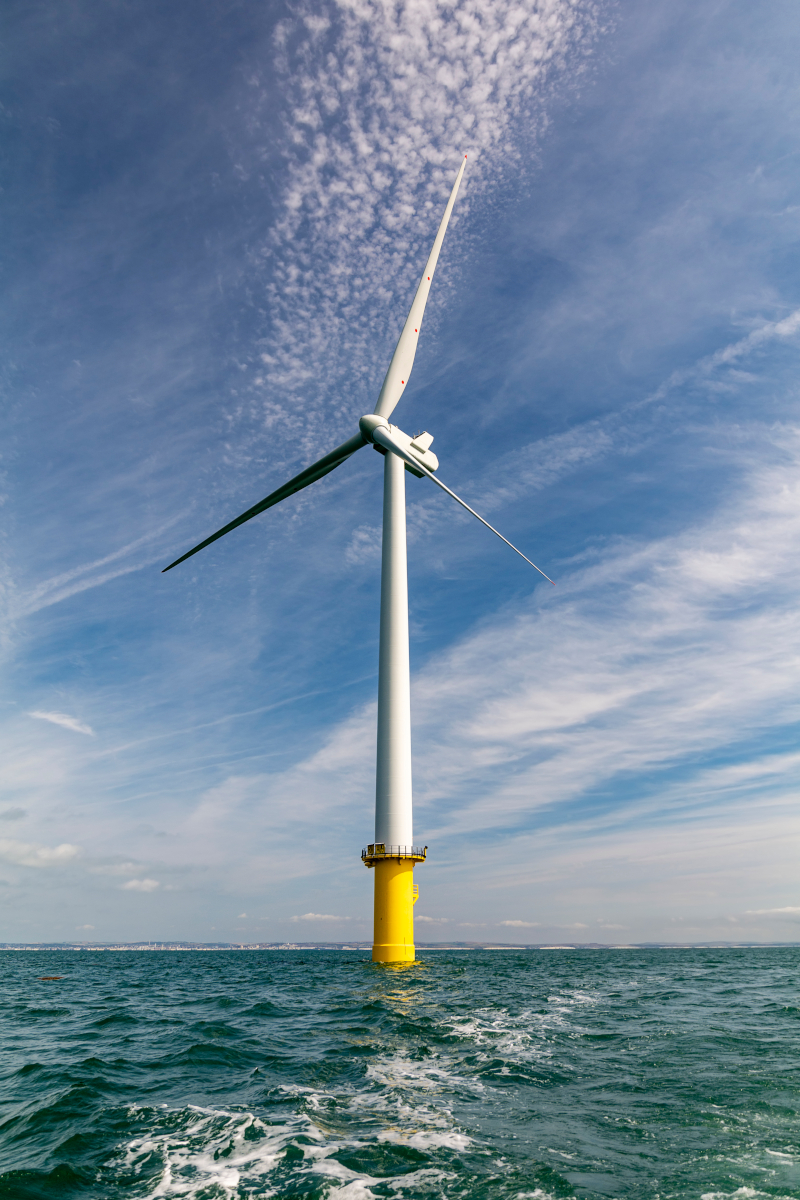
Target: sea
(524,1073)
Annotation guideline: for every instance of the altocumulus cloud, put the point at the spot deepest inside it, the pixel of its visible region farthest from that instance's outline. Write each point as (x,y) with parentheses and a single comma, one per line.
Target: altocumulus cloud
(140,885)
(382,103)
(65,721)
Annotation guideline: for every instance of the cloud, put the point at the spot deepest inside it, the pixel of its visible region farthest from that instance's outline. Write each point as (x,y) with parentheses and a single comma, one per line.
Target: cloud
(88,575)
(123,868)
(544,462)
(767,331)
(84,926)
(432,920)
(653,654)
(13,814)
(25,854)
(595,716)
(769,912)
(319,917)
(241,916)
(521,924)
(621,707)
(140,885)
(382,102)
(57,718)
(364,545)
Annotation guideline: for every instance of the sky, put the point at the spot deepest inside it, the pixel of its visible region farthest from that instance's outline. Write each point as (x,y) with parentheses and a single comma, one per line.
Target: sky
(215,217)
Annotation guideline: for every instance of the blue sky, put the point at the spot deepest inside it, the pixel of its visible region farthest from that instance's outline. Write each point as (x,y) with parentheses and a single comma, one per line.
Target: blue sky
(215,217)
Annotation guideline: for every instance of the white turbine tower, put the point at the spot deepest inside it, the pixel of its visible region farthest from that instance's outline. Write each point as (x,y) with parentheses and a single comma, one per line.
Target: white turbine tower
(393,853)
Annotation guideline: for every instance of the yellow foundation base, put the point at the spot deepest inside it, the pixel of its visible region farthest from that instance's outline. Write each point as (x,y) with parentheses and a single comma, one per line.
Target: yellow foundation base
(394,911)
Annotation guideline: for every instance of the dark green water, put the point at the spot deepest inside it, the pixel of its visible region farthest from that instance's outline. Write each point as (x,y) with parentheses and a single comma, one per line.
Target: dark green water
(530,1074)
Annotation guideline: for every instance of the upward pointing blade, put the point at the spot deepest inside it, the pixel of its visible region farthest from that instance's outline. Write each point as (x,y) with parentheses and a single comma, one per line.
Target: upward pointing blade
(310,475)
(406,348)
(384,438)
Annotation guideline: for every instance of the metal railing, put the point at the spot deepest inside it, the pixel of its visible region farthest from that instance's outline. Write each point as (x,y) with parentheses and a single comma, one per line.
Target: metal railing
(381,850)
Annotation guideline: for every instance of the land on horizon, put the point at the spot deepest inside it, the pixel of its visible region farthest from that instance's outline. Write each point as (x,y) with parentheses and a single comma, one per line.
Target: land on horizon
(366,946)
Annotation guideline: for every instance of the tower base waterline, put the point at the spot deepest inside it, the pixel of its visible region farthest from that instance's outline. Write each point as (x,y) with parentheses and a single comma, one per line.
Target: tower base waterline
(395,897)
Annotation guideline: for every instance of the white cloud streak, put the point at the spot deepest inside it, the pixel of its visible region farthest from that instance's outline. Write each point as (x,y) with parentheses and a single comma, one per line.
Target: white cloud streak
(310,916)
(786,329)
(89,575)
(65,721)
(541,464)
(788,910)
(140,885)
(649,658)
(654,655)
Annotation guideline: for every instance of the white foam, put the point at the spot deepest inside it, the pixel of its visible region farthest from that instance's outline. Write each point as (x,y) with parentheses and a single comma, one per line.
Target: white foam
(434,1074)
(427,1139)
(743,1193)
(538,1194)
(209,1147)
(198,1152)
(354,1184)
(416,1178)
(521,1037)
(413,1098)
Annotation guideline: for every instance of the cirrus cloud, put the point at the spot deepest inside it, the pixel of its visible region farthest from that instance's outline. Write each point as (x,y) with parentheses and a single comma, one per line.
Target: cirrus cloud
(65,721)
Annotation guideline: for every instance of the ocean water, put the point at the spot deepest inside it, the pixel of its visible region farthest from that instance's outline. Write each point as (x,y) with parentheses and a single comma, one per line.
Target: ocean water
(525,1074)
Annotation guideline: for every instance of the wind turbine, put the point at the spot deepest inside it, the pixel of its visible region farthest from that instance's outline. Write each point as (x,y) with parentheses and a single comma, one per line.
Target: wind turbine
(393,853)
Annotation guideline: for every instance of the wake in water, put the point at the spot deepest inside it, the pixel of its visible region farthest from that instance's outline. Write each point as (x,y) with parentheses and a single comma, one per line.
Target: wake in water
(527,1075)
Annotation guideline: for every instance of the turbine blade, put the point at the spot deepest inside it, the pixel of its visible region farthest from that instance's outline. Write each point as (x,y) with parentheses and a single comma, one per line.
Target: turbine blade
(384,438)
(309,475)
(403,357)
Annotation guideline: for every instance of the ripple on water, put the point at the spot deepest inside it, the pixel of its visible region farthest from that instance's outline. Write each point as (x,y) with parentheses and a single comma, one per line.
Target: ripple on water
(537,1077)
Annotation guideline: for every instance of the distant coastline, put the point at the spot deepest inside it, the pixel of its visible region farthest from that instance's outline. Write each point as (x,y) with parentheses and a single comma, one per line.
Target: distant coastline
(430,946)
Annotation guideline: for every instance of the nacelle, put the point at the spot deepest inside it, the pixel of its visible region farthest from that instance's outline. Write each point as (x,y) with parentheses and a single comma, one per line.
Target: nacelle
(418,446)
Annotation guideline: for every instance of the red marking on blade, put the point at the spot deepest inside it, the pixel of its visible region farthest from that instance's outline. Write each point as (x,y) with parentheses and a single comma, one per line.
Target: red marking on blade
(429,279)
